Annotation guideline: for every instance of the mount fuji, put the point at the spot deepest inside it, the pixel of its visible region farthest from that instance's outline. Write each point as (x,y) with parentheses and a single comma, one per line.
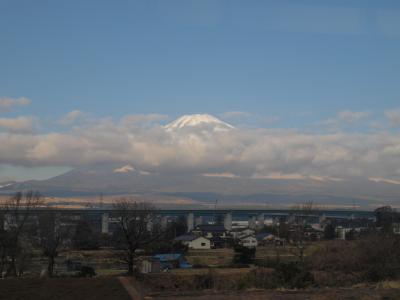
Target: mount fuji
(198,121)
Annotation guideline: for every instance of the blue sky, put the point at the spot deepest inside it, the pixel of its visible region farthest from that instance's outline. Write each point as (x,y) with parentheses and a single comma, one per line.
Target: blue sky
(295,62)
(176,57)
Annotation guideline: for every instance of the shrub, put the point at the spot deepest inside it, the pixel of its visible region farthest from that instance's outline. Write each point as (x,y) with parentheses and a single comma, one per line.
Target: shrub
(244,255)
(293,275)
(87,271)
(288,275)
(375,257)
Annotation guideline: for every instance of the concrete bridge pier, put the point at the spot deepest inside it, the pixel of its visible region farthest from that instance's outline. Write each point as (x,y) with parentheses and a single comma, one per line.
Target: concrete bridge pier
(252,222)
(322,219)
(57,222)
(260,221)
(198,220)
(190,222)
(164,223)
(105,223)
(228,221)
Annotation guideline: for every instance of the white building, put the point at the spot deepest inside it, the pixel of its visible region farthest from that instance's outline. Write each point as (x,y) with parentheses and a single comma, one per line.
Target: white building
(194,242)
(249,241)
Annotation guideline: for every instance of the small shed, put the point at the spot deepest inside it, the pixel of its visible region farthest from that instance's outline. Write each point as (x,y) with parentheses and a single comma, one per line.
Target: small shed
(149,265)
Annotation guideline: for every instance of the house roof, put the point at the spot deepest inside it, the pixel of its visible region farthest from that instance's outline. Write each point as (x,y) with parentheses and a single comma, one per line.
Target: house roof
(186,238)
(211,228)
(247,236)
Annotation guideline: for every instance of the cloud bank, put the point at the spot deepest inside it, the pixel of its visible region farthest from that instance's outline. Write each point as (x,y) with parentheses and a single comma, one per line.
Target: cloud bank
(255,153)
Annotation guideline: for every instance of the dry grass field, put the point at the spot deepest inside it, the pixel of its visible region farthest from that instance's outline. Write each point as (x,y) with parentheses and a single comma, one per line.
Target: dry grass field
(224,257)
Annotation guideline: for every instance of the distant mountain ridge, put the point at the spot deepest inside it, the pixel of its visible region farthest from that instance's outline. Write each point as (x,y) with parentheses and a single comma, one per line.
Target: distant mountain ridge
(104,179)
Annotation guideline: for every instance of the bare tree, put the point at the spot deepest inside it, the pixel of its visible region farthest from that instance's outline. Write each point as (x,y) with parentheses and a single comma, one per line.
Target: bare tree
(137,227)
(309,207)
(52,238)
(298,241)
(17,211)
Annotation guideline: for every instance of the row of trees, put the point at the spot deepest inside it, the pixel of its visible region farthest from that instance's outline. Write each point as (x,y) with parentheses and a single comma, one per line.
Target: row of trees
(24,235)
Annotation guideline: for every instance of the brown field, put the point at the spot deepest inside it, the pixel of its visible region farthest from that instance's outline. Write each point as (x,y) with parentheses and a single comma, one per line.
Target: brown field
(102,288)
(110,288)
(327,294)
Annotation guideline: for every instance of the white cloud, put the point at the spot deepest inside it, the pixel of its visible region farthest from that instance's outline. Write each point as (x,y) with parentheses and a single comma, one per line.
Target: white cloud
(393,116)
(352,116)
(346,118)
(72,117)
(17,125)
(7,103)
(390,181)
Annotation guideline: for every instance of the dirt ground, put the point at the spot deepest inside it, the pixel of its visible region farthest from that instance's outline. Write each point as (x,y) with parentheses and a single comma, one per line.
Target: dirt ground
(103,288)
(322,294)
(110,288)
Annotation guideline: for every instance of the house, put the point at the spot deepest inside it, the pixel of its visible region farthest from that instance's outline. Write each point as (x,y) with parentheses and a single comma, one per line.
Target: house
(210,231)
(237,233)
(248,241)
(172,261)
(193,241)
(219,242)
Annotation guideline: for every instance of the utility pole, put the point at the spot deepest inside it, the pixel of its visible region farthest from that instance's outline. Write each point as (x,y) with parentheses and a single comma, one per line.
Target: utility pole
(215,211)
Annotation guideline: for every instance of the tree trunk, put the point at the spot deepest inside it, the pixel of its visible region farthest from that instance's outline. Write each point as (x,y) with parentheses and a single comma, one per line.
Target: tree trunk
(130,265)
(50,267)
(2,263)
(131,262)
(12,270)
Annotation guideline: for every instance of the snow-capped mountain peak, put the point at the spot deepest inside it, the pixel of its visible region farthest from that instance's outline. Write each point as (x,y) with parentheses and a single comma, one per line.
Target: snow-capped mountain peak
(197,120)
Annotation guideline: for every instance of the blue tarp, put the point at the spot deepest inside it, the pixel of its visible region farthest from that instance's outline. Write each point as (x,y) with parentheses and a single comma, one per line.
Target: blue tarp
(172,260)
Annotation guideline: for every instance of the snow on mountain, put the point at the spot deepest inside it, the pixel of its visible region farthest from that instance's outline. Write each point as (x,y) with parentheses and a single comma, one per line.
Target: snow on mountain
(198,120)
(4,185)
(124,169)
